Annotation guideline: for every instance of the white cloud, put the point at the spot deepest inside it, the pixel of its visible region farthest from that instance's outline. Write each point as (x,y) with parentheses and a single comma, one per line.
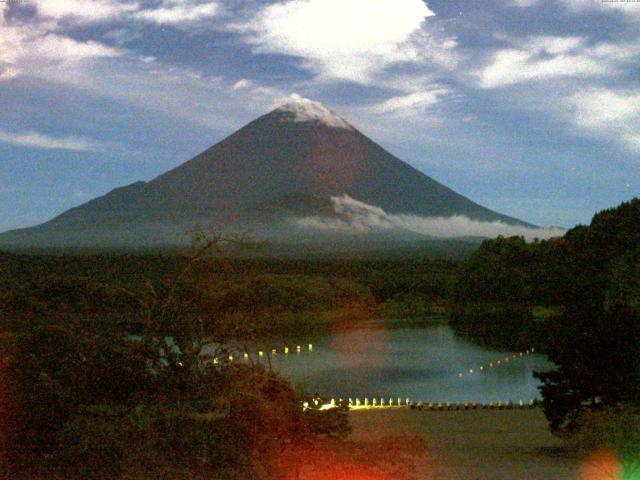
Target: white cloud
(341,39)
(84,10)
(546,57)
(412,103)
(28,50)
(242,84)
(612,115)
(179,11)
(8,72)
(525,3)
(39,140)
(356,217)
(629,7)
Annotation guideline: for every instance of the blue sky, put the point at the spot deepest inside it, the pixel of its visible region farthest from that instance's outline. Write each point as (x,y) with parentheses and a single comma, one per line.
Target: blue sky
(529,107)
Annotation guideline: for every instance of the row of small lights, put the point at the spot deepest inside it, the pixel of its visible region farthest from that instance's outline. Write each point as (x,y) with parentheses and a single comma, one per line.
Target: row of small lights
(497,363)
(389,403)
(365,403)
(261,353)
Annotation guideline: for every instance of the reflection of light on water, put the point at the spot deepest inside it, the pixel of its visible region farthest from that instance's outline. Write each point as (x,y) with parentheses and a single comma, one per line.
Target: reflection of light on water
(423,363)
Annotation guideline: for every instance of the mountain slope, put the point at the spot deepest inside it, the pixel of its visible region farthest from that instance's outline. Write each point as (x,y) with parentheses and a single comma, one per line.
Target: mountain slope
(285,164)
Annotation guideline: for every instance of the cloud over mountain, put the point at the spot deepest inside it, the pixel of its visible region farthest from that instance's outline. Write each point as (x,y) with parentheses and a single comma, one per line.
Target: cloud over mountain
(355,217)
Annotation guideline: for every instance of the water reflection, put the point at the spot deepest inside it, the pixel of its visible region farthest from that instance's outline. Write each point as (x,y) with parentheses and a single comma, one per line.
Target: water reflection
(420,362)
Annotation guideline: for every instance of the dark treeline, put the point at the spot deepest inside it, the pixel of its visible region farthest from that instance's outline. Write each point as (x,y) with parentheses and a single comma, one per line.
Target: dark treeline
(91,388)
(290,295)
(578,299)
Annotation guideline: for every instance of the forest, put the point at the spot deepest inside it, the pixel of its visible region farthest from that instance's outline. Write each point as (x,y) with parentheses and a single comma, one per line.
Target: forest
(90,387)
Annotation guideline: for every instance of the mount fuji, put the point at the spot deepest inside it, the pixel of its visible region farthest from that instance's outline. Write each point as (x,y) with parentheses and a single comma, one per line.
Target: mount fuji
(292,175)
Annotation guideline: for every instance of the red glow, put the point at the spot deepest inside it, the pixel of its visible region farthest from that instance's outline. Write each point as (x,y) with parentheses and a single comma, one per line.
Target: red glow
(603,465)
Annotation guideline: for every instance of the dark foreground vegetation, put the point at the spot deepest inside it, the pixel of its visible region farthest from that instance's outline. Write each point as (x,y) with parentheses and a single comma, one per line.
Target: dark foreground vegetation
(91,388)
(586,288)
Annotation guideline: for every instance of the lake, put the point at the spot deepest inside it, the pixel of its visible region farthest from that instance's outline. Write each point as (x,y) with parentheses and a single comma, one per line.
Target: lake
(424,363)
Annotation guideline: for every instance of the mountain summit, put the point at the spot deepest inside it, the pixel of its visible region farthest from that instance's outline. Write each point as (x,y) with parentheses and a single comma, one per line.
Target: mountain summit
(290,164)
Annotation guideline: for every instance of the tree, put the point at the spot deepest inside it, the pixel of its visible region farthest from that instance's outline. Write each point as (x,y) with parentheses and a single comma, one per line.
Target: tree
(94,398)
(596,342)
(597,365)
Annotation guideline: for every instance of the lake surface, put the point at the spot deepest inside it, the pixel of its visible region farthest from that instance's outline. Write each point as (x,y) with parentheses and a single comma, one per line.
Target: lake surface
(420,362)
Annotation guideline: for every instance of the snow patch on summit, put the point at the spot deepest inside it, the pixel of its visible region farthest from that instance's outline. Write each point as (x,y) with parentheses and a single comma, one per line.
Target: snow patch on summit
(305,110)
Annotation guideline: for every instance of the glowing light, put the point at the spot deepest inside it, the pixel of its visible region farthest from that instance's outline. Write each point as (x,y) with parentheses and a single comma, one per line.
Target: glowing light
(231,358)
(215,360)
(310,347)
(460,375)
(481,367)
(261,353)
(298,348)
(246,355)
(286,350)
(471,370)
(604,465)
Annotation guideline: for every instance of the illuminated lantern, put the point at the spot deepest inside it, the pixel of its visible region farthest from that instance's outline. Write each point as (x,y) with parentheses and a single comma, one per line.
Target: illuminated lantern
(286,350)
(261,353)
(366,402)
(274,351)
(310,347)
(215,360)
(407,401)
(481,367)
(374,402)
(298,348)
(460,375)
(491,364)
(382,402)
(231,358)
(357,402)
(471,370)
(246,355)
(399,401)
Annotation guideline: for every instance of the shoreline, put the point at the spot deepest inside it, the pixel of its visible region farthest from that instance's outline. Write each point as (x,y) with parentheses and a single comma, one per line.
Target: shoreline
(474,444)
